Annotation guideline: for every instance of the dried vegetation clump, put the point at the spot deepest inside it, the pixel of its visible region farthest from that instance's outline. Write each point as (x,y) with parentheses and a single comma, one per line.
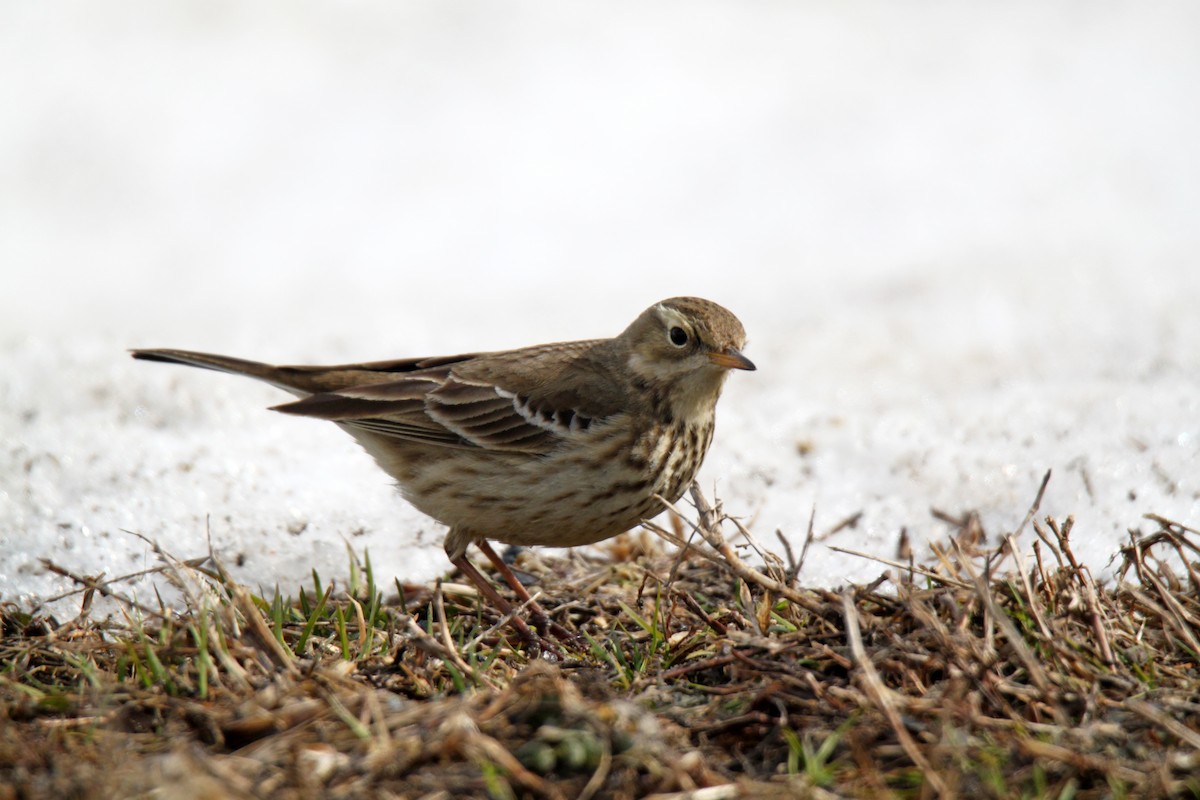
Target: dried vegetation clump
(699,672)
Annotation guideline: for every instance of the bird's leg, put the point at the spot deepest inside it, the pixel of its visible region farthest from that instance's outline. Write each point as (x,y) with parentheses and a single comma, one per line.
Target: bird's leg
(498,602)
(541,619)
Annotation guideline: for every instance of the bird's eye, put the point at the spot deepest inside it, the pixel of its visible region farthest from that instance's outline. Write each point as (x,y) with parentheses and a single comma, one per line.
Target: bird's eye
(678,336)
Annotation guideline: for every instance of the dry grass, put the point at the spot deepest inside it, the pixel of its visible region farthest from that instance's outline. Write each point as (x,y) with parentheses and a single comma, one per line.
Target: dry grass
(985,673)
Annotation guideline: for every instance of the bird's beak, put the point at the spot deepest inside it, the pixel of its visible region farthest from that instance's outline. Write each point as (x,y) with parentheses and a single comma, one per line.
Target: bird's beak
(730,359)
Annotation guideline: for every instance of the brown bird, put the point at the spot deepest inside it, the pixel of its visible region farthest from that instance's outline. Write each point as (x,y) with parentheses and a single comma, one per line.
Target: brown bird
(557,444)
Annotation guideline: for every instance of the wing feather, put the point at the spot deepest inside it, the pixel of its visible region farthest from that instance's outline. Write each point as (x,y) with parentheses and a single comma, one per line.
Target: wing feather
(514,401)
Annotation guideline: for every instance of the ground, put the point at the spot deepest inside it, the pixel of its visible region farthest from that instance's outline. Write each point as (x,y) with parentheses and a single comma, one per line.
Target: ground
(990,672)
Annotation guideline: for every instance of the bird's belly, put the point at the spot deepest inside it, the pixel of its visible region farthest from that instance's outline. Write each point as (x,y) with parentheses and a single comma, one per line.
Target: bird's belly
(579,494)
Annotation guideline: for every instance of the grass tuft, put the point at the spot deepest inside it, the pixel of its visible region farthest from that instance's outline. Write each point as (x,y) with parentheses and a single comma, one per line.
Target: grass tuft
(992,671)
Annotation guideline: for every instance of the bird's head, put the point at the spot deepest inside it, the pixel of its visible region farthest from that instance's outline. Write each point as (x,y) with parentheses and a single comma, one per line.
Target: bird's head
(685,347)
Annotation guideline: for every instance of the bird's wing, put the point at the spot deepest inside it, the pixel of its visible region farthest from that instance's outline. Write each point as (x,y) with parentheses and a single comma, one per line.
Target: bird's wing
(515,401)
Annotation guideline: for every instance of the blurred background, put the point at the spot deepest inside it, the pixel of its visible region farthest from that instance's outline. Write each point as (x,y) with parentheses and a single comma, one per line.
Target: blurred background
(962,238)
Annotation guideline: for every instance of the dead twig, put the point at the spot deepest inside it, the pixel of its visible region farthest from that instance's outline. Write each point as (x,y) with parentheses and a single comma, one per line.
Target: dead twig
(881,696)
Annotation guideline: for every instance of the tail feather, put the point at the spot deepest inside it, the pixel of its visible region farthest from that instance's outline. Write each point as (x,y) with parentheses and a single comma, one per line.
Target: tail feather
(283,377)
(238,366)
(301,380)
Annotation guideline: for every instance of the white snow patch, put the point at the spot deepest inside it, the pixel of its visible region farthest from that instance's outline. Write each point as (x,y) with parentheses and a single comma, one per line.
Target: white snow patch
(962,240)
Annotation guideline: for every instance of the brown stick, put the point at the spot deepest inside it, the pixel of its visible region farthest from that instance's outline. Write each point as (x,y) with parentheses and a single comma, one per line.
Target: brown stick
(707,528)
(881,696)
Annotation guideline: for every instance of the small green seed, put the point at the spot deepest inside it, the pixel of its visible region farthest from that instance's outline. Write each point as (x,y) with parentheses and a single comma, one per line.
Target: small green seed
(537,756)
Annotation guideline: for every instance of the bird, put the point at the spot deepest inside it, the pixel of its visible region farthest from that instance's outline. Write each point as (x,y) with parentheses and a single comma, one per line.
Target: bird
(560,444)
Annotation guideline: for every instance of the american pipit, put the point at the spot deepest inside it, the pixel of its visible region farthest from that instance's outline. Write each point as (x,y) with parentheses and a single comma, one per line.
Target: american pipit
(557,444)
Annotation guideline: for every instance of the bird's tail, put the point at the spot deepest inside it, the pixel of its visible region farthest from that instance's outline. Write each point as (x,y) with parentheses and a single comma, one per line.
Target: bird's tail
(287,378)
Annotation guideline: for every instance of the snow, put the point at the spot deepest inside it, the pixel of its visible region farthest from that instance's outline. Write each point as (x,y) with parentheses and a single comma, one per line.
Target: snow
(962,238)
